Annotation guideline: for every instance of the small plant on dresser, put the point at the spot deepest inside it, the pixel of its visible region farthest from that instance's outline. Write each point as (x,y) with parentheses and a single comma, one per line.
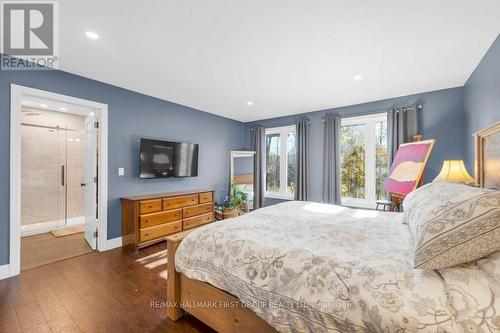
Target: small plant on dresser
(236,205)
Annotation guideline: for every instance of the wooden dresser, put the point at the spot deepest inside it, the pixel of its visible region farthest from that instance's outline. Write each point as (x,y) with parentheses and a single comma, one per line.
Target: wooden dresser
(148,219)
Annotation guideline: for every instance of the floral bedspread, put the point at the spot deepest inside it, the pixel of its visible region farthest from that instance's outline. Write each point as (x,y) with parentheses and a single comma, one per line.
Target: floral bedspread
(309,267)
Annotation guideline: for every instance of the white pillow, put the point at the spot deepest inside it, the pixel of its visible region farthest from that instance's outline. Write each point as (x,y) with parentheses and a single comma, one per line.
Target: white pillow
(452,224)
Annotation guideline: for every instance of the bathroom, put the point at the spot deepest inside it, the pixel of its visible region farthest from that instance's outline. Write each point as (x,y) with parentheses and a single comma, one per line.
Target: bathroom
(52,185)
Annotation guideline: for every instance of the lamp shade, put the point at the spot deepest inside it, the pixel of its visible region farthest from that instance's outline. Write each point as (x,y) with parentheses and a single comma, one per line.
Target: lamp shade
(454,171)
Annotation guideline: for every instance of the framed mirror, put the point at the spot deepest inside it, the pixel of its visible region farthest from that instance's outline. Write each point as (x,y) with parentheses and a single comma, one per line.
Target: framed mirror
(242,174)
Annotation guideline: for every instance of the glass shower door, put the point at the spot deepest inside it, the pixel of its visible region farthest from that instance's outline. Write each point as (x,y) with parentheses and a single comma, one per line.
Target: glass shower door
(75,176)
(53,166)
(42,192)
(72,162)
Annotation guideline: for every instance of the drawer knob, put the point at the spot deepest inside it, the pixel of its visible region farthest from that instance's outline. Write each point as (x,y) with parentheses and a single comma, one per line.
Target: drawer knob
(150,206)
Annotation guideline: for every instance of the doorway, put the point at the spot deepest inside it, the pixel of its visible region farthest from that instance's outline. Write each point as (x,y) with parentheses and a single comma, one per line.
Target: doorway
(52,170)
(58,183)
(52,183)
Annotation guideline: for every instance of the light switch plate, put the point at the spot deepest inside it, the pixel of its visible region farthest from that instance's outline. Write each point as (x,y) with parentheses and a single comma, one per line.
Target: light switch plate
(121,171)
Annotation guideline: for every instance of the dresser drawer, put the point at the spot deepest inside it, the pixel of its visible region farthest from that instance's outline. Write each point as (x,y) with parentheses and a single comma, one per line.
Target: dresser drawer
(150,206)
(206,197)
(159,231)
(178,202)
(197,220)
(197,210)
(150,220)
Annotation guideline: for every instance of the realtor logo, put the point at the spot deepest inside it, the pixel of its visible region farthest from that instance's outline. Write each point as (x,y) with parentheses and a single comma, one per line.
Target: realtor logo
(29,35)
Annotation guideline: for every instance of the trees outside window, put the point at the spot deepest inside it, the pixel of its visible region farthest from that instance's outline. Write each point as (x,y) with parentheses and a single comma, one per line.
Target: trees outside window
(363,153)
(280,162)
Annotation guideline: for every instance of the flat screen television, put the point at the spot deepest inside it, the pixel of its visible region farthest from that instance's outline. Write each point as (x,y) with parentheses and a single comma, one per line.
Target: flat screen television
(166,159)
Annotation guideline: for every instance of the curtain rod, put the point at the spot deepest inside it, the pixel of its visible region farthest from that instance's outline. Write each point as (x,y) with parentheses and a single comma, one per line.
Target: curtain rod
(419,107)
(280,125)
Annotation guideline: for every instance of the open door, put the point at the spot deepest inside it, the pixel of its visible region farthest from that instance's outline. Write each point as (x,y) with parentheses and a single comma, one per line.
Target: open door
(90,181)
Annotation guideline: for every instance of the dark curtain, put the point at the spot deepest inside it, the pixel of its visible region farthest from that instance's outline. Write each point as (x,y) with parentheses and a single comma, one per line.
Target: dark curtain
(259,167)
(331,163)
(302,165)
(402,126)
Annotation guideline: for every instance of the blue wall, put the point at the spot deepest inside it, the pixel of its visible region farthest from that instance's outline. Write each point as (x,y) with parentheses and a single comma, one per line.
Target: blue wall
(131,116)
(450,116)
(482,99)
(441,118)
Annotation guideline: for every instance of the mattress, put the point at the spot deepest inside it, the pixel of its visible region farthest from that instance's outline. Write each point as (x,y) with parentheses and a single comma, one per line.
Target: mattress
(310,267)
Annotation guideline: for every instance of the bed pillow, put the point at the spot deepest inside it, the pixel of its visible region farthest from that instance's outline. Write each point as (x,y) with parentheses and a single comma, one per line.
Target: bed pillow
(491,265)
(452,223)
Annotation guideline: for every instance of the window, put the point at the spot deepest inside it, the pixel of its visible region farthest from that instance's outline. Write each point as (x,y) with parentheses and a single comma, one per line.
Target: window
(363,154)
(280,162)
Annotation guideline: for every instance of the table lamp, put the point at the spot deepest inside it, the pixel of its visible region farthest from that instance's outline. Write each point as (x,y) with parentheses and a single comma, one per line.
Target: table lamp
(454,171)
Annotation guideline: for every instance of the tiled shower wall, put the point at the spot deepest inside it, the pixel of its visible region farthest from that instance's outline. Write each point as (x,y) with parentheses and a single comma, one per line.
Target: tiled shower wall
(44,151)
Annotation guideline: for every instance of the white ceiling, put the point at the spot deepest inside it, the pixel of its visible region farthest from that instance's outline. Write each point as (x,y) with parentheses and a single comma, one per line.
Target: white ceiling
(287,56)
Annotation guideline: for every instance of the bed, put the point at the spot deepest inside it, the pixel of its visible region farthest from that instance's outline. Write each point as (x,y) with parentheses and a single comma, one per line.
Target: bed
(310,267)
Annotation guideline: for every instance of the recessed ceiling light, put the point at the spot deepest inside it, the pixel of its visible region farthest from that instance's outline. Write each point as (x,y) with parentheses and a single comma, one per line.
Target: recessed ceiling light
(249,103)
(43,105)
(358,77)
(63,109)
(92,35)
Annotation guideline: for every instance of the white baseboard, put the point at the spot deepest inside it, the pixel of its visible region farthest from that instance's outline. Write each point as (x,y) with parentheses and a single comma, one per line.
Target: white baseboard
(4,272)
(112,244)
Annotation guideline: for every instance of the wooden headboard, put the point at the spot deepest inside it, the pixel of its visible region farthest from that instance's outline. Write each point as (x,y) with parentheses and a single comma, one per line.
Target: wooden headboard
(487,157)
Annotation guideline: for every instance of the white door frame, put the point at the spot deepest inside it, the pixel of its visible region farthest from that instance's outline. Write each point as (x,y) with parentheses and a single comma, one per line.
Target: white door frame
(17,93)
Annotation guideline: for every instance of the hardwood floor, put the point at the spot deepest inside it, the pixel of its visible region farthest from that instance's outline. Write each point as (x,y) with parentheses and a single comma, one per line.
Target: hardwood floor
(45,248)
(95,292)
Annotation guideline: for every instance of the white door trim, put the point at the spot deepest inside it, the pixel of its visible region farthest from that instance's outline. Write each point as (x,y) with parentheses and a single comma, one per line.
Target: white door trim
(4,272)
(17,93)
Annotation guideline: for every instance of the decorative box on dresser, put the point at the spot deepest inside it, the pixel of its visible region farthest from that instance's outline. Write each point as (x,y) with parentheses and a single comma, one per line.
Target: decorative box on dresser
(148,219)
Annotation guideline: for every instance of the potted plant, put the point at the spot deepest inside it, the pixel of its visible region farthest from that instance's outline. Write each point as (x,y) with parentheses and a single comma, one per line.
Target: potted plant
(237,201)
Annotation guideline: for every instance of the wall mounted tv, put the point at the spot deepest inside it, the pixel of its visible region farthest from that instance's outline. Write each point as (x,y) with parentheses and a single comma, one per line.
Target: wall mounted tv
(166,159)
